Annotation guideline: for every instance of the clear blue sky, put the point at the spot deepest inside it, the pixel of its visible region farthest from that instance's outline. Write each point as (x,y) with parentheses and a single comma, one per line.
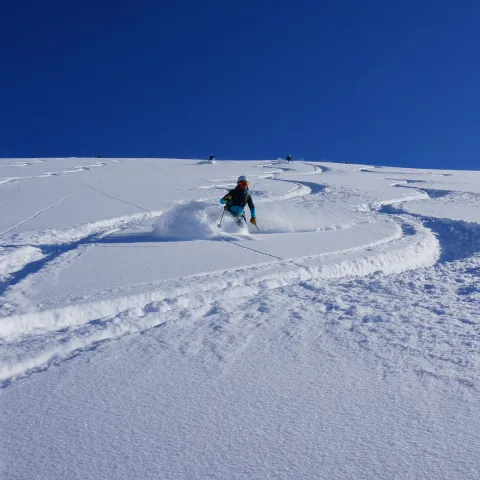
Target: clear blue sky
(383,82)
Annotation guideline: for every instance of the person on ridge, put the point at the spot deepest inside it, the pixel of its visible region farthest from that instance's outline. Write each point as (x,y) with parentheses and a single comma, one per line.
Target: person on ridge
(236,200)
(212,157)
(289,158)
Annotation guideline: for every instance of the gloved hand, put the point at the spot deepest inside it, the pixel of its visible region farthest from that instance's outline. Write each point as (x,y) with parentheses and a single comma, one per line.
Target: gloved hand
(253,220)
(227,199)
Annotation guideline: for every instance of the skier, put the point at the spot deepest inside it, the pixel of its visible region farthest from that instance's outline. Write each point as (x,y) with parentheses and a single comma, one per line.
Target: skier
(236,199)
(289,158)
(212,157)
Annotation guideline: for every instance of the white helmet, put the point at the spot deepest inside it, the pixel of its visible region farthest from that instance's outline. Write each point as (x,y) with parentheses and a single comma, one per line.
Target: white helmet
(242,178)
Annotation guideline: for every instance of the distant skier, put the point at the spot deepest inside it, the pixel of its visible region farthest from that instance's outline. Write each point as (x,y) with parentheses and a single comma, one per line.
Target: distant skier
(212,157)
(289,158)
(236,200)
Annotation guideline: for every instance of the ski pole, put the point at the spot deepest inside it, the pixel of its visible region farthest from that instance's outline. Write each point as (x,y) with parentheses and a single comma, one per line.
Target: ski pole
(219,224)
(252,223)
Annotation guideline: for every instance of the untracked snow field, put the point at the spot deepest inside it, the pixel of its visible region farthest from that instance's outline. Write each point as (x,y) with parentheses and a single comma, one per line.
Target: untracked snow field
(138,340)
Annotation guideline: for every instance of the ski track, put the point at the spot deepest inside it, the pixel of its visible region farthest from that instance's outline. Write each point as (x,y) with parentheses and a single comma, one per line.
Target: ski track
(41,211)
(28,253)
(60,334)
(377,170)
(81,168)
(112,319)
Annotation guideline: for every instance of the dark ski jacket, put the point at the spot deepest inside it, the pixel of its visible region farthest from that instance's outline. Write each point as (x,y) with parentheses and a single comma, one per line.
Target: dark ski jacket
(236,199)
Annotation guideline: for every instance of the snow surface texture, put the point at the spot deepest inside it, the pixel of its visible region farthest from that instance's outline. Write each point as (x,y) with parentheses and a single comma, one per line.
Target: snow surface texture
(139,340)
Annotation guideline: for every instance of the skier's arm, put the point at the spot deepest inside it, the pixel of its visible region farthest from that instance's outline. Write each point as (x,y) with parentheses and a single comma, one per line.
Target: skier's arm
(227,199)
(251,206)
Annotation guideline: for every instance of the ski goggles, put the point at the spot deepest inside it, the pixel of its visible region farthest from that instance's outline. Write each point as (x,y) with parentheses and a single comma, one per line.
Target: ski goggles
(243,183)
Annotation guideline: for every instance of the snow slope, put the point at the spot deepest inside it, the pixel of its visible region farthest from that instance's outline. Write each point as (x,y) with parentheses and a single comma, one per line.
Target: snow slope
(139,340)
